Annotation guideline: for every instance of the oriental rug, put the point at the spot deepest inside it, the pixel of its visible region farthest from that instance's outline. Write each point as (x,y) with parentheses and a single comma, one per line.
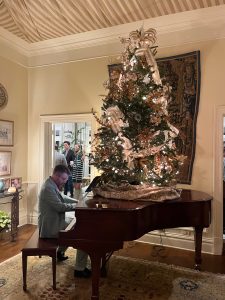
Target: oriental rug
(128,279)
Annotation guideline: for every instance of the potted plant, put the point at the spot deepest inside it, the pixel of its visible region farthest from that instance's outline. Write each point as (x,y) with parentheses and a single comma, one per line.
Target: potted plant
(5,221)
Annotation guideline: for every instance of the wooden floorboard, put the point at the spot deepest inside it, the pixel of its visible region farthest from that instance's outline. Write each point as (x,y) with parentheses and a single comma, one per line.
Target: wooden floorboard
(8,248)
(183,258)
(210,263)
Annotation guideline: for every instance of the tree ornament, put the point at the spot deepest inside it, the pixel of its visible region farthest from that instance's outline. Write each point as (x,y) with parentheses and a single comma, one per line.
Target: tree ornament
(135,140)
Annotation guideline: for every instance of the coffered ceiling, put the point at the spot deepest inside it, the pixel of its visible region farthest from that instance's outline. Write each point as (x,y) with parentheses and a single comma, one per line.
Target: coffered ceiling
(39,32)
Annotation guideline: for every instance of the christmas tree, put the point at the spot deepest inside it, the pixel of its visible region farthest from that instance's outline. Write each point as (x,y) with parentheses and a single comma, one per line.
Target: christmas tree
(135,142)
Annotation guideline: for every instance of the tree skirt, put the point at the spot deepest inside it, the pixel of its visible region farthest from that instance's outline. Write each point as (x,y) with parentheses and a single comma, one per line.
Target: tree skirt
(137,192)
(128,279)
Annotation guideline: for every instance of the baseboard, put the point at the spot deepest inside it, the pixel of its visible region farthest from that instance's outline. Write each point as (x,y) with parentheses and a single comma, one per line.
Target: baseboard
(32,219)
(218,245)
(23,220)
(179,242)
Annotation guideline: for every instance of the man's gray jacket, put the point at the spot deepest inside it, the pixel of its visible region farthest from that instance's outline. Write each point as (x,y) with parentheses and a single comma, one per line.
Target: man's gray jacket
(52,207)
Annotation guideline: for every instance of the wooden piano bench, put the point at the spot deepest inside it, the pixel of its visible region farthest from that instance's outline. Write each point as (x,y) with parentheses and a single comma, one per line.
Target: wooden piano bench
(37,247)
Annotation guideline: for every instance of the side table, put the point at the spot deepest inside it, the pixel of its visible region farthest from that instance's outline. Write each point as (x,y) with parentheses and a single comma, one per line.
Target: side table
(14,200)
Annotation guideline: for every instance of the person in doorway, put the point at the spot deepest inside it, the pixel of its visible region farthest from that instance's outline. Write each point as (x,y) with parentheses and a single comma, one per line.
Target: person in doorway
(77,172)
(69,155)
(59,157)
(51,215)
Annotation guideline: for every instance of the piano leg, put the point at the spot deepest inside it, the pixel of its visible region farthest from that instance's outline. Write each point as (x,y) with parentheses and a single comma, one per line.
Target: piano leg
(97,251)
(24,266)
(95,267)
(198,247)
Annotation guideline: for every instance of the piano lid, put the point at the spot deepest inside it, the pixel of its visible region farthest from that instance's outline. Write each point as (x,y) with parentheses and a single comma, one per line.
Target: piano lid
(98,202)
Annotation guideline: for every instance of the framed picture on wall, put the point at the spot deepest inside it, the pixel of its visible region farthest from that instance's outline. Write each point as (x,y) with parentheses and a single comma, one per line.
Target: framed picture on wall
(4,184)
(5,163)
(6,133)
(16,182)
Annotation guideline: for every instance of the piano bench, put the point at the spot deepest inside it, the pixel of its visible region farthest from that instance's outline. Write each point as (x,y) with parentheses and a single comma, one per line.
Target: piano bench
(37,247)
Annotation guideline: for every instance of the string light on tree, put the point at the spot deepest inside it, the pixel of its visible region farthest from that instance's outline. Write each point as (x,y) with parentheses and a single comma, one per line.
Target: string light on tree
(135,141)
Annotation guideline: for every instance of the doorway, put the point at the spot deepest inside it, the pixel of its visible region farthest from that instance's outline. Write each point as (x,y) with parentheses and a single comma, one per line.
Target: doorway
(223,178)
(76,128)
(74,133)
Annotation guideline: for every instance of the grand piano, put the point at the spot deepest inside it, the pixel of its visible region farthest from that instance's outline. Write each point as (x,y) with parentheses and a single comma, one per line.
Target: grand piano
(102,225)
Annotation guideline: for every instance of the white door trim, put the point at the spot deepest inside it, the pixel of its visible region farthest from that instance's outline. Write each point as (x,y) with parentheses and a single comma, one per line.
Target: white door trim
(67,118)
(217,203)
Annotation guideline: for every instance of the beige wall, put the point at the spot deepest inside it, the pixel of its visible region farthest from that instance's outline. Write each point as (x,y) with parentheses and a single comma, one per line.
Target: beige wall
(14,79)
(62,89)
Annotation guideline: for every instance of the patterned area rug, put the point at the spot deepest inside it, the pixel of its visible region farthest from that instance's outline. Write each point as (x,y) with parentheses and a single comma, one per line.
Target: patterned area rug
(128,279)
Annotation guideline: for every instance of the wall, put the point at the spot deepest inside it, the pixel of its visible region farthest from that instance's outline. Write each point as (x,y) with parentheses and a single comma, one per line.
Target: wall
(205,176)
(61,89)
(14,78)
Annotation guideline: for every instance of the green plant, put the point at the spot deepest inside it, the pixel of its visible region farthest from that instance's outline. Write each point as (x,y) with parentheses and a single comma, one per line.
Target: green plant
(5,220)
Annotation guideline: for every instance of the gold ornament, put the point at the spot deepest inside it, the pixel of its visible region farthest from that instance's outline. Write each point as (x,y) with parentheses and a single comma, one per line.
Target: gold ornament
(143,162)
(115,118)
(127,150)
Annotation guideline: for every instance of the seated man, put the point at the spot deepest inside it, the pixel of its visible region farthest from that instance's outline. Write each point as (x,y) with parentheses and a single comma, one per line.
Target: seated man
(52,207)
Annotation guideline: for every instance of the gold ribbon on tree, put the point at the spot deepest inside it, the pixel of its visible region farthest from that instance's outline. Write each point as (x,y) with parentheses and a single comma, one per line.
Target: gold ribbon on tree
(143,40)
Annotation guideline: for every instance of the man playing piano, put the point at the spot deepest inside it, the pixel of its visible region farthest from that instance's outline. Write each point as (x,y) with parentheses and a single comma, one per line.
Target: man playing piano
(52,207)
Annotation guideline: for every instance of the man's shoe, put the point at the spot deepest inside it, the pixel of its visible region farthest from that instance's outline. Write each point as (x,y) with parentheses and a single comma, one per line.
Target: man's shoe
(61,256)
(86,273)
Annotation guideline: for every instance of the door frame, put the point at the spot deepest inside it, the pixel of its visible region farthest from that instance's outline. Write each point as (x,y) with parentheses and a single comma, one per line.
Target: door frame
(45,129)
(217,203)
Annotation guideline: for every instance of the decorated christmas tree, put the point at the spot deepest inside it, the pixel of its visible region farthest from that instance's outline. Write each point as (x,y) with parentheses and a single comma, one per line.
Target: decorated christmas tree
(135,143)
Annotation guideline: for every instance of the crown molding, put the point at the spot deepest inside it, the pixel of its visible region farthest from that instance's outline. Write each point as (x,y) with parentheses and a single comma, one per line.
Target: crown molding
(13,48)
(172,30)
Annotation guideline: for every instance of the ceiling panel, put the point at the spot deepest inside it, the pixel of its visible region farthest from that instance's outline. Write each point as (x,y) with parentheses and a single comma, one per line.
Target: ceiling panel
(39,20)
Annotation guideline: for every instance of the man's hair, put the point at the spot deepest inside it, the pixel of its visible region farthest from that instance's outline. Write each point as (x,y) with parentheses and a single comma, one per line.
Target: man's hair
(61,169)
(66,142)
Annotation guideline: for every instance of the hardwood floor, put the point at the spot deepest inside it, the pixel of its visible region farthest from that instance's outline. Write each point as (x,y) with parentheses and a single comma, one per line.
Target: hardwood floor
(8,248)
(211,263)
(183,258)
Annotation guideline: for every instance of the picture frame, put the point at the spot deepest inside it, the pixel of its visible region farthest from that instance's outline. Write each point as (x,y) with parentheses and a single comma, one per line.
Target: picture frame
(6,133)
(5,163)
(4,184)
(16,182)
(183,73)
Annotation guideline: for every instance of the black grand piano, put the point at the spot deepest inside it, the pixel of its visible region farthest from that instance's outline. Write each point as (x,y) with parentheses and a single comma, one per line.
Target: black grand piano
(102,225)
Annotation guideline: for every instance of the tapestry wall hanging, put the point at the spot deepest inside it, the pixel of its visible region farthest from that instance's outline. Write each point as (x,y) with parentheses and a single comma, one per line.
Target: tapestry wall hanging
(182,72)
